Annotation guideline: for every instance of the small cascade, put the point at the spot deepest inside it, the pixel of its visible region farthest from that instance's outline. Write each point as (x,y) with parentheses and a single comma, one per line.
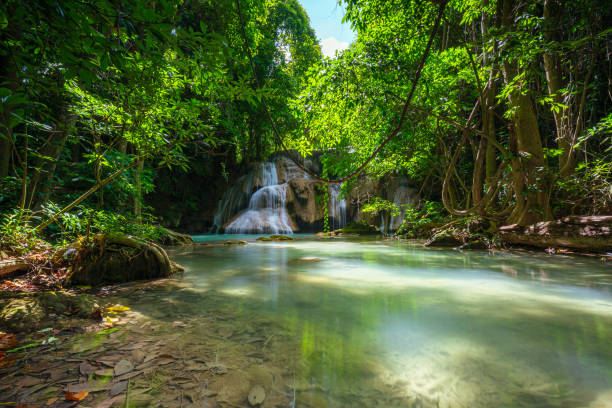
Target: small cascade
(266,212)
(337,207)
(390,223)
(403,195)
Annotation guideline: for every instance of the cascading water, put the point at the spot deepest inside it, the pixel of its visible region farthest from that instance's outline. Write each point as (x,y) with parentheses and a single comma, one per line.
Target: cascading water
(257,202)
(402,196)
(266,212)
(337,207)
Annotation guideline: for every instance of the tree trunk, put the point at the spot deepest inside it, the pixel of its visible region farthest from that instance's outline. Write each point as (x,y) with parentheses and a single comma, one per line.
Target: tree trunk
(8,77)
(554,77)
(138,190)
(488,104)
(530,187)
(44,169)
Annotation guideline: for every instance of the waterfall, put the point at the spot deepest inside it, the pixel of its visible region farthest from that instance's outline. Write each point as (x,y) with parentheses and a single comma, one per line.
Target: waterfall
(257,202)
(266,212)
(337,207)
(402,195)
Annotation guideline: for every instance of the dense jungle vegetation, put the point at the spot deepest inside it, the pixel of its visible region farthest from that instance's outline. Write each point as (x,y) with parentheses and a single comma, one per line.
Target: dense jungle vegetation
(115,113)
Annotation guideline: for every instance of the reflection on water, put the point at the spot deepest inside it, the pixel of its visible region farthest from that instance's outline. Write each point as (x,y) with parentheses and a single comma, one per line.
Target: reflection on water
(380,323)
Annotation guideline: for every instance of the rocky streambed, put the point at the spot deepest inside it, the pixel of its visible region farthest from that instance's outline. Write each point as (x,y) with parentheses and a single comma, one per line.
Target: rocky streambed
(213,357)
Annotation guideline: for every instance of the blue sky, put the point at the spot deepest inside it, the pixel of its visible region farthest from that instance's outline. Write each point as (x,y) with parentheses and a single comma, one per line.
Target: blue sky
(326,19)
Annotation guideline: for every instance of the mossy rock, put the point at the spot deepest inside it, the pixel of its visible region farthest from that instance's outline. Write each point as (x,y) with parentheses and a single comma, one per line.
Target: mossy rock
(360,228)
(109,259)
(22,314)
(235,242)
(30,312)
(276,237)
(445,239)
(81,305)
(173,238)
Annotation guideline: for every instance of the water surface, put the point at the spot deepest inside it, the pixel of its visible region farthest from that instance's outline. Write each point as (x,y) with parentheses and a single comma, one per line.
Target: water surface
(382,323)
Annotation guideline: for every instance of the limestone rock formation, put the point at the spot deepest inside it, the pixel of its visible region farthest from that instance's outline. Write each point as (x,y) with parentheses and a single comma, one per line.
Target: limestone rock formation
(584,233)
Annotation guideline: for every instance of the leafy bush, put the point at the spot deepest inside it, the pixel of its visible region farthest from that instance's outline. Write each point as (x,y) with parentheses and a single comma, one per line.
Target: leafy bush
(588,192)
(84,221)
(17,235)
(378,205)
(419,221)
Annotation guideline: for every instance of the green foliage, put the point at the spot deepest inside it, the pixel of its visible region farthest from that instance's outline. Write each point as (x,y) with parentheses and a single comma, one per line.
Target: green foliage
(587,192)
(378,205)
(418,222)
(83,221)
(17,234)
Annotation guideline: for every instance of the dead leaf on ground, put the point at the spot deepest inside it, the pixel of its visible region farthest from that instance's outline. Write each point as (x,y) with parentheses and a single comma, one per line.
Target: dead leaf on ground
(85,368)
(122,367)
(7,341)
(50,401)
(78,396)
(118,388)
(104,372)
(29,381)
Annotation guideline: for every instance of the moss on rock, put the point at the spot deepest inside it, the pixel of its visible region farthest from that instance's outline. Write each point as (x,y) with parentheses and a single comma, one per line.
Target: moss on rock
(276,237)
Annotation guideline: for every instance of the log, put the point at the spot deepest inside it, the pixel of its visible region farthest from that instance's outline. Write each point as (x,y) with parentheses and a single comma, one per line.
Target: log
(8,266)
(583,233)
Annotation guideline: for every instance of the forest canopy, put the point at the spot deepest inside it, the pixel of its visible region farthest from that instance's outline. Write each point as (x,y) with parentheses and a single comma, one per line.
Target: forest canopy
(496,109)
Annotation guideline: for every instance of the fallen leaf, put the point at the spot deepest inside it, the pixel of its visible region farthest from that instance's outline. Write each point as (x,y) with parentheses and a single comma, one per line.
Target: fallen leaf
(118,308)
(104,372)
(78,387)
(29,381)
(118,388)
(97,314)
(79,396)
(50,401)
(85,368)
(123,367)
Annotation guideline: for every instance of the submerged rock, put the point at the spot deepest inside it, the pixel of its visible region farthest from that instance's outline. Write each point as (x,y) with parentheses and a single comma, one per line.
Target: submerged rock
(31,312)
(22,314)
(108,259)
(276,238)
(235,242)
(257,395)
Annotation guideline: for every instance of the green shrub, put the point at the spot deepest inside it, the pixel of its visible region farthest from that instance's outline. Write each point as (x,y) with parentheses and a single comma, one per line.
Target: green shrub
(419,221)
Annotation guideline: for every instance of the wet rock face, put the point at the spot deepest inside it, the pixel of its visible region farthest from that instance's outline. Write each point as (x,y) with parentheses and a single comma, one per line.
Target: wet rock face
(302,203)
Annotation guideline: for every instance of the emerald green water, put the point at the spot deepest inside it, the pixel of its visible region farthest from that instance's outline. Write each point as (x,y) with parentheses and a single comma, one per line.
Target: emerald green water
(343,323)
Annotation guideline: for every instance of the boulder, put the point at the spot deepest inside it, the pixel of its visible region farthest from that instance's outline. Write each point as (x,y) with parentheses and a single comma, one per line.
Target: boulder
(444,238)
(583,233)
(22,314)
(173,238)
(109,258)
(359,228)
(31,312)
(235,242)
(80,305)
(302,204)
